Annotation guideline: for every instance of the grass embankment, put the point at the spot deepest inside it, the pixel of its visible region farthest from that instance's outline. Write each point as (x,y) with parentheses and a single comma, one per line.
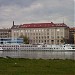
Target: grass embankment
(11,66)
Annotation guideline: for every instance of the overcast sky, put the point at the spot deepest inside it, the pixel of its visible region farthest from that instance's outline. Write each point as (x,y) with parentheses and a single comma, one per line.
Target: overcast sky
(34,11)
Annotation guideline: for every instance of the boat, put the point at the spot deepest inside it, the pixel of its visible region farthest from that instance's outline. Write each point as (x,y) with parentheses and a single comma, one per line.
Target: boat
(1,49)
(37,47)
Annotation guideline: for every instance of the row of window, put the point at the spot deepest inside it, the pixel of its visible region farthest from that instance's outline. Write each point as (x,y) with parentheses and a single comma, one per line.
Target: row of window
(37,48)
(40,33)
(16,46)
(47,40)
(46,37)
(40,30)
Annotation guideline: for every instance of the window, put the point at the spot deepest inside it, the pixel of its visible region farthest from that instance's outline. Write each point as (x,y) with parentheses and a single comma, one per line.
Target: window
(39,41)
(33,37)
(61,36)
(42,30)
(36,37)
(45,40)
(58,30)
(52,33)
(61,33)
(47,29)
(52,41)
(42,37)
(52,37)
(39,37)
(33,33)
(39,30)
(48,37)
(26,30)
(36,33)
(57,36)
(57,40)
(39,33)
(22,31)
(42,41)
(45,37)
(34,30)
(47,33)
(57,33)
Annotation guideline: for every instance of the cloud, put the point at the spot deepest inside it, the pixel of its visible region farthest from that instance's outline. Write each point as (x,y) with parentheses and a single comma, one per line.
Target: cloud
(31,11)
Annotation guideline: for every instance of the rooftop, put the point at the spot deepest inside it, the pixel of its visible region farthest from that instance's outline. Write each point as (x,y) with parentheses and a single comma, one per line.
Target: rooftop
(40,25)
(9,30)
(72,29)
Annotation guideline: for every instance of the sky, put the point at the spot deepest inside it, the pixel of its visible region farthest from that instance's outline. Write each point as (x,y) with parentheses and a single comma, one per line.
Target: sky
(36,11)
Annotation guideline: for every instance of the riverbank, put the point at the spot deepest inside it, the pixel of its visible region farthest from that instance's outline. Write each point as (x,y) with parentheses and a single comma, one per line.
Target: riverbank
(18,66)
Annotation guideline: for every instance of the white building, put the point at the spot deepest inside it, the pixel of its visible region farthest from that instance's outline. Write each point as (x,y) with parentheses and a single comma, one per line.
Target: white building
(49,33)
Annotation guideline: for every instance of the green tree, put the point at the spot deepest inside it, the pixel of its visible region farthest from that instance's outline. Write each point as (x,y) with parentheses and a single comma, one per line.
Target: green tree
(25,39)
(63,40)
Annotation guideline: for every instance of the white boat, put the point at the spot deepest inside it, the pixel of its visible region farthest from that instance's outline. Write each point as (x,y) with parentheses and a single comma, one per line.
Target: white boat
(1,49)
(37,47)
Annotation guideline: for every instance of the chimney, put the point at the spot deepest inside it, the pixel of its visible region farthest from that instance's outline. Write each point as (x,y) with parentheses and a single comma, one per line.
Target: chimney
(13,23)
(51,22)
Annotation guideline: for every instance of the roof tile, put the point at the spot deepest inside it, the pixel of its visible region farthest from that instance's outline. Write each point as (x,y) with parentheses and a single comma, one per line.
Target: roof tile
(40,25)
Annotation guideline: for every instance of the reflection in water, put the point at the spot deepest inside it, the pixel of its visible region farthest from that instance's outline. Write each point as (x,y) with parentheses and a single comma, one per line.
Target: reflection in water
(46,54)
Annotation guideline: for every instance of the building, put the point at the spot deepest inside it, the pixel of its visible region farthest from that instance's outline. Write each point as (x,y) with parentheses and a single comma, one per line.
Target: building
(49,33)
(74,38)
(72,35)
(5,33)
(11,40)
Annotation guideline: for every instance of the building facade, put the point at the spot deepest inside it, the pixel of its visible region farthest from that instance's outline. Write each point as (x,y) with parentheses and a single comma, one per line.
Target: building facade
(72,35)
(5,33)
(74,38)
(48,33)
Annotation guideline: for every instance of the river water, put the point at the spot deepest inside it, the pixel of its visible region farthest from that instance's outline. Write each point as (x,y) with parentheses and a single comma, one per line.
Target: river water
(37,54)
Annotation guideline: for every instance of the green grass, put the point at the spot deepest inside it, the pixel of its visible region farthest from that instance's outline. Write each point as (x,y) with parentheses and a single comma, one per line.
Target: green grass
(36,67)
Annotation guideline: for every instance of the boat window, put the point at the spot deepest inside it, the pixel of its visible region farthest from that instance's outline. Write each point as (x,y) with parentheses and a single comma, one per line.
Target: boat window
(73,48)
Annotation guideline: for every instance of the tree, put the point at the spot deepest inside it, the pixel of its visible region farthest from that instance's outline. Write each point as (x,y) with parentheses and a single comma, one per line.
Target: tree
(63,40)
(25,39)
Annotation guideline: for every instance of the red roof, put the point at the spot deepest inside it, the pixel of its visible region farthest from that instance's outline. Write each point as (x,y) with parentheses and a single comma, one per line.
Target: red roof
(42,25)
(72,29)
